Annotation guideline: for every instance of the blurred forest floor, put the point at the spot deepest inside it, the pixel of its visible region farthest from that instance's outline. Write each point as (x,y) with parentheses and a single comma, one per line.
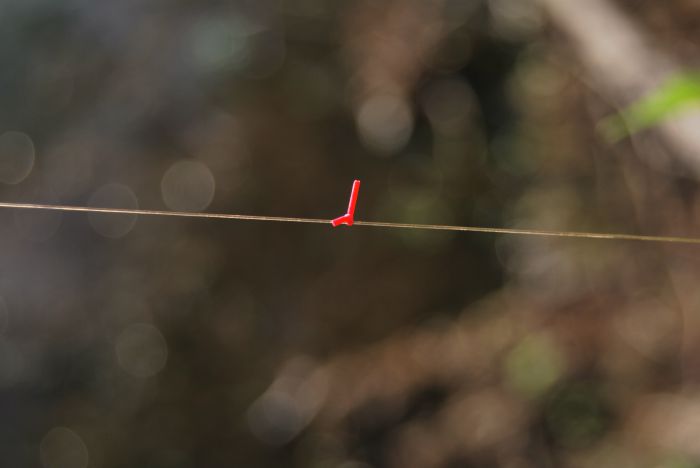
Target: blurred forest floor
(189,343)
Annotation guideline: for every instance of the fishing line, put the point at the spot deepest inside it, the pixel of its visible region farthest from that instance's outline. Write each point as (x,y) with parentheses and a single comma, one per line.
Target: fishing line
(432,227)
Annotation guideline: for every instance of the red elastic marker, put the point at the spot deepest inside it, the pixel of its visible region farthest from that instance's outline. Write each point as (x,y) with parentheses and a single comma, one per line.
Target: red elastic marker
(349,217)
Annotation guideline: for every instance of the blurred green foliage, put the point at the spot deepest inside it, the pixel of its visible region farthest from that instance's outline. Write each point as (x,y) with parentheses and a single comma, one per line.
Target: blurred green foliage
(677,94)
(534,365)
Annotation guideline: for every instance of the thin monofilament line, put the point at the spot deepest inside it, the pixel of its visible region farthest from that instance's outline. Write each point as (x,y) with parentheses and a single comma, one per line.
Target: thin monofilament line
(433,227)
(536,232)
(180,214)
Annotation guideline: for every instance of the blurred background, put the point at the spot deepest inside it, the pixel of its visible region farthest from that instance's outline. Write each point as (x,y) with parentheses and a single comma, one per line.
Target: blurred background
(160,342)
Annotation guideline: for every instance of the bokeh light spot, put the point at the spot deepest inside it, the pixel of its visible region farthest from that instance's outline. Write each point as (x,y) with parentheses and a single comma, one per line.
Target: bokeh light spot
(222,43)
(188,186)
(113,196)
(16,157)
(515,19)
(63,448)
(385,123)
(275,418)
(290,403)
(141,350)
(534,365)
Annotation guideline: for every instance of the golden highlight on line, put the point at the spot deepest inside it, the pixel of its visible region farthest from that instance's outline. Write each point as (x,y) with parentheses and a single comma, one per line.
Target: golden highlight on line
(433,227)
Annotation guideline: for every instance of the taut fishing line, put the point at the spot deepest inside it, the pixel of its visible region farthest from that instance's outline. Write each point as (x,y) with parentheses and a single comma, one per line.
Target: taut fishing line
(433,227)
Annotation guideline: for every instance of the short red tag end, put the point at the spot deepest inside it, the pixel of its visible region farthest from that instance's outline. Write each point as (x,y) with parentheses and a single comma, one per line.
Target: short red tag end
(349,217)
(345,219)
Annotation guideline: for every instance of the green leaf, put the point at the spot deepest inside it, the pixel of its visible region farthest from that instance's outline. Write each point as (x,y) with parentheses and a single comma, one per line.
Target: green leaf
(673,97)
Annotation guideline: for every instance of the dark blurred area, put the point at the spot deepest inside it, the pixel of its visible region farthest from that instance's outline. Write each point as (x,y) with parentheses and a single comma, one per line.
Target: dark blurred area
(132,341)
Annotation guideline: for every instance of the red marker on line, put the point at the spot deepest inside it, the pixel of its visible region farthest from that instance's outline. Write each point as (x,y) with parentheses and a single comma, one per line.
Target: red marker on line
(349,217)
